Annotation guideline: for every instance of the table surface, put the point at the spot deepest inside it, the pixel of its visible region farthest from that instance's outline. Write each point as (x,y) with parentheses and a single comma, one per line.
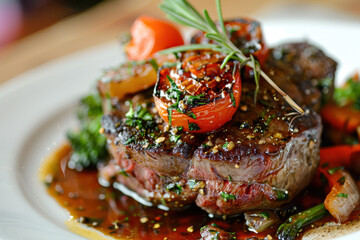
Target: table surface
(109,19)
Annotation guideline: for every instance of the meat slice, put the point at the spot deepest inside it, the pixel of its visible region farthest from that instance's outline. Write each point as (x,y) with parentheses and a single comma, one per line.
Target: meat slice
(260,159)
(307,67)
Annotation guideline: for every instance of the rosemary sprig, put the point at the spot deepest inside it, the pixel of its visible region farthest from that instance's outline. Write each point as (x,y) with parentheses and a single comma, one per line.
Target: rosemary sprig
(181,11)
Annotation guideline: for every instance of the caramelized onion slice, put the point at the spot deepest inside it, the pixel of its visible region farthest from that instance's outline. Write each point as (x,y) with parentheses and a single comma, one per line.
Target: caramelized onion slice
(343,197)
(259,220)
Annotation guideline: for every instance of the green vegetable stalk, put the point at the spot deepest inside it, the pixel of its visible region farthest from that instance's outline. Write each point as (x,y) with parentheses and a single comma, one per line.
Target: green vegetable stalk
(289,229)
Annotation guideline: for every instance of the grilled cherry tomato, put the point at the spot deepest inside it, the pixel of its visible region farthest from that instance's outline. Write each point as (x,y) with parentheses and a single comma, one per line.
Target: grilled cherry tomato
(246,34)
(344,119)
(198,95)
(150,35)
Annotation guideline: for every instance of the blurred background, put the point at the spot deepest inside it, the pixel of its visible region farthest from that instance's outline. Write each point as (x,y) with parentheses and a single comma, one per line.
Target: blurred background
(33,32)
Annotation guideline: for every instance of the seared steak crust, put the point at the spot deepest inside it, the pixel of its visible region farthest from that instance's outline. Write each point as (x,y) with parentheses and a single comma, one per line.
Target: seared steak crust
(307,67)
(260,159)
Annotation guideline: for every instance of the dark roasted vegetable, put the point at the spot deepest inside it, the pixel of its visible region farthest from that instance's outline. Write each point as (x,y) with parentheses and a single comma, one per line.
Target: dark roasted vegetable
(259,220)
(89,146)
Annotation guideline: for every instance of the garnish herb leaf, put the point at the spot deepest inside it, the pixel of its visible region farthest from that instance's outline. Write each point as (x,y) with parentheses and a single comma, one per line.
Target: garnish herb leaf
(232,98)
(281,195)
(227,196)
(88,145)
(140,118)
(175,138)
(123,172)
(265,215)
(175,93)
(334,169)
(342,195)
(193,126)
(173,187)
(349,94)
(169,110)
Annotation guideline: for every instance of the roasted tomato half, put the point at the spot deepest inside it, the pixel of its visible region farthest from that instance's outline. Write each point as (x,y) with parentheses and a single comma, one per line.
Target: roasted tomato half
(246,34)
(132,77)
(197,95)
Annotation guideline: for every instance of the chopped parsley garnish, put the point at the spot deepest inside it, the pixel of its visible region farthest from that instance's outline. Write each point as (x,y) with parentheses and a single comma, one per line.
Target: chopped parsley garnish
(128,141)
(173,187)
(349,94)
(281,195)
(196,100)
(227,196)
(88,145)
(174,138)
(268,120)
(193,126)
(140,118)
(265,215)
(214,225)
(231,93)
(225,145)
(123,172)
(334,169)
(342,195)
(203,227)
(175,93)
(230,178)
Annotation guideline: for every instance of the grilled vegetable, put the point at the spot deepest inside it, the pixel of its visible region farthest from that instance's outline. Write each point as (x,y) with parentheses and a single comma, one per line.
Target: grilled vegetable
(340,155)
(149,35)
(199,96)
(345,114)
(258,220)
(344,195)
(289,229)
(129,78)
(345,119)
(89,146)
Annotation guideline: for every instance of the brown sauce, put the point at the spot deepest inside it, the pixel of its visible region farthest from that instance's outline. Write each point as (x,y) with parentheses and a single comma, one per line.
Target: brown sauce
(114,214)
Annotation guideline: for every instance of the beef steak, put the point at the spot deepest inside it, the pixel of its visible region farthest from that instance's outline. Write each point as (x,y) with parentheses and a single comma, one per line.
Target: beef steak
(260,159)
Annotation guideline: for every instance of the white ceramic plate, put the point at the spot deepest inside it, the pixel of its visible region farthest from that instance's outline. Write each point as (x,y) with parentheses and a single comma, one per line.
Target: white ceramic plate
(37,108)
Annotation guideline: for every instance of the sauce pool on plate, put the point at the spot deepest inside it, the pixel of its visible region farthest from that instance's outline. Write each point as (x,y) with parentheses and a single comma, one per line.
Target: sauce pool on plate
(94,207)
